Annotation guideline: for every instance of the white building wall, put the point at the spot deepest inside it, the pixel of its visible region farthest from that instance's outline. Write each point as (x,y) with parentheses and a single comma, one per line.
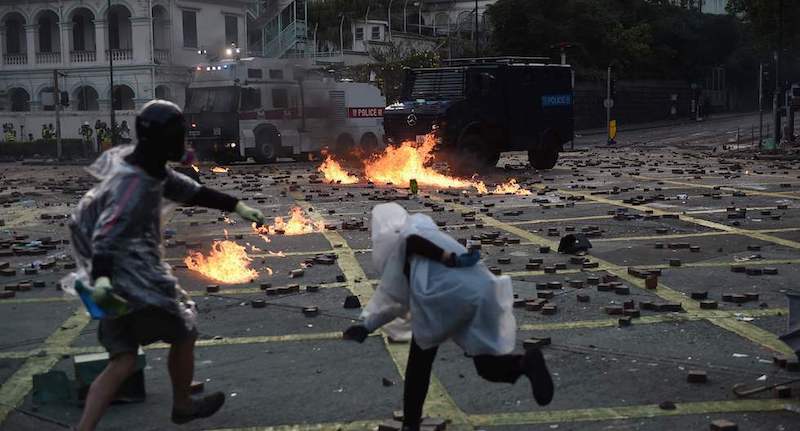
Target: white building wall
(136,65)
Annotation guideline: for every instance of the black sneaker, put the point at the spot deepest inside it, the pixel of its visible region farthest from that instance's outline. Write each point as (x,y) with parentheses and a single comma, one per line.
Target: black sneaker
(201,408)
(536,370)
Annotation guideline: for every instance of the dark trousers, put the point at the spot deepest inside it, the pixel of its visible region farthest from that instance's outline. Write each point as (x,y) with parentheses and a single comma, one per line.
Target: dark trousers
(500,369)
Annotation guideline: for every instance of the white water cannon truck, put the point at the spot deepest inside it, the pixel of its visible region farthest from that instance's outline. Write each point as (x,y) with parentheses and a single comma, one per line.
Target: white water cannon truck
(266,108)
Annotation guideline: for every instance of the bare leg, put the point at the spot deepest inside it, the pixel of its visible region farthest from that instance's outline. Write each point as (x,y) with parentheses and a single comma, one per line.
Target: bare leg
(104,388)
(181,371)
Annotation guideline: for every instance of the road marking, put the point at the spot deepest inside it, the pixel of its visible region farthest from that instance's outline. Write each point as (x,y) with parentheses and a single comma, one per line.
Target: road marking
(438,402)
(14,390)
(743,329)
(629,412)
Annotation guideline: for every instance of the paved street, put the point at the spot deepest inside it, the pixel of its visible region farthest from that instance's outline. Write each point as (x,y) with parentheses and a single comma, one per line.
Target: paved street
(724,235)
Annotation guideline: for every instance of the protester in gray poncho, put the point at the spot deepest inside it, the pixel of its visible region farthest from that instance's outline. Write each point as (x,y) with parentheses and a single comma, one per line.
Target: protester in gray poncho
(116,235)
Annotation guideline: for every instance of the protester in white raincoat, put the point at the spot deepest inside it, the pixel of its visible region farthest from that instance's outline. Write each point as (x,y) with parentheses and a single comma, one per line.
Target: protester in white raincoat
(116,237)
(448,294)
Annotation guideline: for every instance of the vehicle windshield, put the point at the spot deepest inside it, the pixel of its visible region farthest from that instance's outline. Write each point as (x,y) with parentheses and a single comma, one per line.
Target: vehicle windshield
(213,99)
(437,84)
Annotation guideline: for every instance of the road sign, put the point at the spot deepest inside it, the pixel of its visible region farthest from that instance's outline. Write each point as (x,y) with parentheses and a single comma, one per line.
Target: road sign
(608,103)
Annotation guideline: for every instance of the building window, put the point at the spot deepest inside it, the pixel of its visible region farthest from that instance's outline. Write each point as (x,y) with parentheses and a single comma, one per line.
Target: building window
(189,29)
(231,30)
(359,33)
(275,74)
(280,98)
(376,33)
(251,99)
(255,73)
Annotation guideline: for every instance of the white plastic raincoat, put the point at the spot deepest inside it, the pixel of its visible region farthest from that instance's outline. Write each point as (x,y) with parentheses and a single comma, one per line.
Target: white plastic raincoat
(121,217)
(471,306)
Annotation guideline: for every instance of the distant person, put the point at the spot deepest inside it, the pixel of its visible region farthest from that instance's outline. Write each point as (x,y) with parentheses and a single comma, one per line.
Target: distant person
(447,293)
(116,243)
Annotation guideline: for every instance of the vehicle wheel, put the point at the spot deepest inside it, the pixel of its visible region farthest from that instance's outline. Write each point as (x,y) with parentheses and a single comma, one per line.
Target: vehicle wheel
(267,147)
(545,156)
(345,146)
(368,144)
(473,156)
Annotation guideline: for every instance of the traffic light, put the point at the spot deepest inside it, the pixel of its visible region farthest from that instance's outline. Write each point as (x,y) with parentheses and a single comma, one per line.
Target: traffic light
(613,87)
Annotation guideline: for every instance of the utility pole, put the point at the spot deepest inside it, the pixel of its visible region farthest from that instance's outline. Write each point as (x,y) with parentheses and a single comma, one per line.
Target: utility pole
(57,99)
(778,87)
(111,76)
(608,104)
(760,104)
(477,32)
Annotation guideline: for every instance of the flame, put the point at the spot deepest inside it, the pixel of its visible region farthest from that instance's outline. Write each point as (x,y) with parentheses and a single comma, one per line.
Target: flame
(227,263)
(298,224)
(400,164)
(510,187)
(334,173)
(196,169)
(219,170)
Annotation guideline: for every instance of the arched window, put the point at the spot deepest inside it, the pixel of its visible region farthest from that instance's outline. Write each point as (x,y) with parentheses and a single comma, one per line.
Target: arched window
(123,98)
(86,99)
(20,100)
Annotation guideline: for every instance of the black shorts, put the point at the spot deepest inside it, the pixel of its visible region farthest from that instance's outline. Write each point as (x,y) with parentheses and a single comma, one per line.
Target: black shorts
(125,334)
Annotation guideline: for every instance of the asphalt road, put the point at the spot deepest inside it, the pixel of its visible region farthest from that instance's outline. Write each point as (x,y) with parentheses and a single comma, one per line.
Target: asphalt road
(661,202)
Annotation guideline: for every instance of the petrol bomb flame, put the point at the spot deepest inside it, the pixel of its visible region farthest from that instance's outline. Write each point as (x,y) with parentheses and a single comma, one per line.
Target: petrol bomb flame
(509,187)
(298,224)
(219,170)
(398,165)
(334,173)
(227,263)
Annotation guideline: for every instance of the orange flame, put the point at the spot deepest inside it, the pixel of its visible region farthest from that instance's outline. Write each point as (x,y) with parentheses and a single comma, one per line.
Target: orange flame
(399,165)
(334,173)
(510,187)
(219,170)
(298,224)
(227,263)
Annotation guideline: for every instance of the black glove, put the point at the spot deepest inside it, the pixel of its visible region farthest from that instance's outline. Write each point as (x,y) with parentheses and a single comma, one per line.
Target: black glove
(356,333)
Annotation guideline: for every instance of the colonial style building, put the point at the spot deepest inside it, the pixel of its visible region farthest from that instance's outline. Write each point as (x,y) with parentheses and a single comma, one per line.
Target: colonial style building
(153,44)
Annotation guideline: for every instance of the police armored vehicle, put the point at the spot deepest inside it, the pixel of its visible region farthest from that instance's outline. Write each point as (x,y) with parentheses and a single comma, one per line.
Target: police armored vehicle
(478,108)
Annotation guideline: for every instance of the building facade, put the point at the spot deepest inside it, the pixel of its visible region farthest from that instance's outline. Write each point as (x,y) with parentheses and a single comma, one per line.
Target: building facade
(153,44)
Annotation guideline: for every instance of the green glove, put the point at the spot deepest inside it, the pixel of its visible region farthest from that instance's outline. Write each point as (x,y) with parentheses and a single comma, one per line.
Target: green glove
(105,298)
(249,214)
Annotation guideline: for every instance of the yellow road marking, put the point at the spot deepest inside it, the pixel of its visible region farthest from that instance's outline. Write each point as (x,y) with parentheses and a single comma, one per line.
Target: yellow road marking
(438,402)
(727,188)
(14,390)
(743,329)
(629,412)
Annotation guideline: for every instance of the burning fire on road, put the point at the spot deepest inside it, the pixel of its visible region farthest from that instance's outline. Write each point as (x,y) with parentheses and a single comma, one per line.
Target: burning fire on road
(398,165)
(227,263)
(298,224)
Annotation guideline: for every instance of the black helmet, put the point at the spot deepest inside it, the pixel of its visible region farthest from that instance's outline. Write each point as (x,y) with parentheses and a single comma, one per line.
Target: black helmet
(160,129)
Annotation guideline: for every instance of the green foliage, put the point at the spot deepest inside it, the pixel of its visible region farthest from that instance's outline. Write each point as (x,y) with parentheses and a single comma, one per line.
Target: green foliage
(389,69)
(640,38)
